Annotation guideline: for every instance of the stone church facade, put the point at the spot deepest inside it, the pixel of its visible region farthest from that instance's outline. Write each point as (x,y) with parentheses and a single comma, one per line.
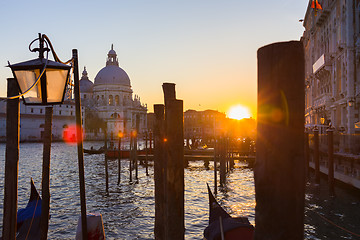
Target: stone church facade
(110,101)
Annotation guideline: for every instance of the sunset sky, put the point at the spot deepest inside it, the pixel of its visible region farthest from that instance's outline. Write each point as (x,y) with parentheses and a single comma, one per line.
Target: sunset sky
(207,48)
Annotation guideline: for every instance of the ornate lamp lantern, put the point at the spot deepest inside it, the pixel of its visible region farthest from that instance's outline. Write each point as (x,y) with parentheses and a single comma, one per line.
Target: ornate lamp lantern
(41,81)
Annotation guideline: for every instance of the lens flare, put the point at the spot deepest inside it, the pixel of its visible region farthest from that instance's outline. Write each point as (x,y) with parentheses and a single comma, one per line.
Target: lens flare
(69,135)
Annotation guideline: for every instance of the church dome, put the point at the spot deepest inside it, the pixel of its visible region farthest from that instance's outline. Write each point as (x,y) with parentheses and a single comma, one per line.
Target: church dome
(85,84)
(112,73)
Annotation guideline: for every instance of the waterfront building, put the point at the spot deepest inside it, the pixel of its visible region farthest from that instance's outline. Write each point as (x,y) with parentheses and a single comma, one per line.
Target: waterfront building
(109,101)
(32,121)
(203,124)
(332,65)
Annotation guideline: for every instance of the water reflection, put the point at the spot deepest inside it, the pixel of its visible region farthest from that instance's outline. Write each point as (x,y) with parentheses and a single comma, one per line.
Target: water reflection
(128,209)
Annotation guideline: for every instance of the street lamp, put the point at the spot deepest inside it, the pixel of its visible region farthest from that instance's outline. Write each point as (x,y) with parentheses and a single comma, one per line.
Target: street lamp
(351,102)
(41,81)
(322,120)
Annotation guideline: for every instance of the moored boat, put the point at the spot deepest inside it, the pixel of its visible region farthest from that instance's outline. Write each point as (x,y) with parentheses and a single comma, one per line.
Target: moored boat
(125,153)
(28,218)
(223,226)
(94,151)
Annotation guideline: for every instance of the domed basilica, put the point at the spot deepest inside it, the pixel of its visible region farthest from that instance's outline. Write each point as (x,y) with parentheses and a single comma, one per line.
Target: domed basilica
(109,101)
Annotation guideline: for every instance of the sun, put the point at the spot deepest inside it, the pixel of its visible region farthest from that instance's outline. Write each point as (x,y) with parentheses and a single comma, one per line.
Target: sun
(238,112)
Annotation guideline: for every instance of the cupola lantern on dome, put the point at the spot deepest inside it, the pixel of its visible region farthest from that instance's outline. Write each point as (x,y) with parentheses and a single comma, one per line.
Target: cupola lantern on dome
(112,73)
(85,84)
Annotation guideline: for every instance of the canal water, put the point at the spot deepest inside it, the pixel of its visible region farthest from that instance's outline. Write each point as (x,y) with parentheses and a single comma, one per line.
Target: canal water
(128,209)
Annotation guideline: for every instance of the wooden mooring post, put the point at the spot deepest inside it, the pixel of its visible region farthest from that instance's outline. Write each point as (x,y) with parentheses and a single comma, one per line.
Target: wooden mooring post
(45,183)
(330,133)
(279,167)
(222,158)
(316,155)
(137,124)
(307,153)
(216,150)
(159,171)
(79,138)
(120,135)
(11,161)
(131,155)
(147,153)
(106,162)
(174,154)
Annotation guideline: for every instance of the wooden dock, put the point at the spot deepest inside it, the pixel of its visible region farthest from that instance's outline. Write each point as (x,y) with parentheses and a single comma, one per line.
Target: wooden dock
(346,168)
(249,159)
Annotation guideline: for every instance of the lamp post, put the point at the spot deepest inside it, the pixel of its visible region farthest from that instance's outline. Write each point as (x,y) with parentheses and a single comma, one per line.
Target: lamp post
(120,135)
(43,82)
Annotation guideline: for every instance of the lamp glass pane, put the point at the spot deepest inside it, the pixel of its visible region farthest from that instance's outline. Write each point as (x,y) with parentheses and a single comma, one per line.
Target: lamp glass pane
(56,80)
(26,78)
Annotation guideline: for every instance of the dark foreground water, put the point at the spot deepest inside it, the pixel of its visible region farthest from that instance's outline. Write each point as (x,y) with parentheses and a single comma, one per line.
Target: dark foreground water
(128,210)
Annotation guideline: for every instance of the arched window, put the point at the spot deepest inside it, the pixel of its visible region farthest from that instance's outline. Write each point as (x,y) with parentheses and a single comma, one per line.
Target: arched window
(117,103)
(115,115)
(97,97)
(111,100)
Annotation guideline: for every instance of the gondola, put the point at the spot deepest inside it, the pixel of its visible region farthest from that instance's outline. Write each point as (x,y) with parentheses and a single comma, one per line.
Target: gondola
(224,227)
(94,151)
(28,218)
(111,153)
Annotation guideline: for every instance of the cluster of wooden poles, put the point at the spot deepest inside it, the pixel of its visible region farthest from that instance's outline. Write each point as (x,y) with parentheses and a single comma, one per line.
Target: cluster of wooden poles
(316,159)
(133,158)
(223,156)
(169,166)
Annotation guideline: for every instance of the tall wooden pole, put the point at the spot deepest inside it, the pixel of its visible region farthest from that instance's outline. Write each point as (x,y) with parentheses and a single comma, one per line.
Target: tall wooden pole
(45,185)
(131,154)
(147,153)
(159,171)
(11,161)
(215,166)
(119,159)
(307,154)
(106,162)
(222,161)
(80,145)
(279,167)
(330,133)
(150,140)
(316,155)
(174,151)
(136,147)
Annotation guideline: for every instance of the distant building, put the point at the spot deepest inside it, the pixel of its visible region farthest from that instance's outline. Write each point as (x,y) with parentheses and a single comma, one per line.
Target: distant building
(203,124)
(206,124)
(109,100)
(332,65)
(32,121)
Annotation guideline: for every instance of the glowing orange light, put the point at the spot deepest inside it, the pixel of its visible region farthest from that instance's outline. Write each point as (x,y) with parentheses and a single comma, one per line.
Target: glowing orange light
(134,133)
(165,139)
(238,112)
(69,135)
(120,134)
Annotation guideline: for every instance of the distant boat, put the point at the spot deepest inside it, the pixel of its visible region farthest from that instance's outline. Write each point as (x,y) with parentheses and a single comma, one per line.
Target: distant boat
(28,219)
(125,153)
(223,226)
(94,151)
